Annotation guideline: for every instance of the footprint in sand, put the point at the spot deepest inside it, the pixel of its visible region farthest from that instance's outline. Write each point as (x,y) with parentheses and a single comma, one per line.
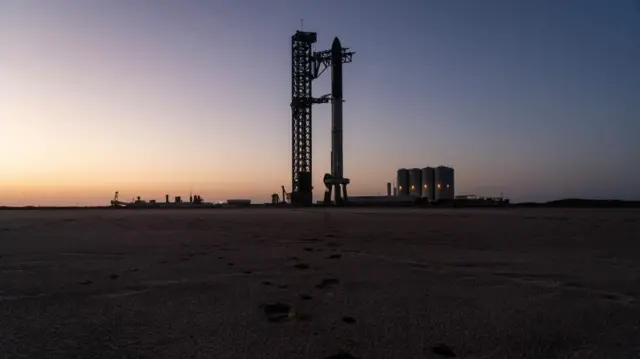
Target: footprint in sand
(617,297)
(281,312)
(349,320)
(114,276)
(335,256)
(301,266)
(86,282)
(327,282)
(278,312)
(305,297)
(443,350)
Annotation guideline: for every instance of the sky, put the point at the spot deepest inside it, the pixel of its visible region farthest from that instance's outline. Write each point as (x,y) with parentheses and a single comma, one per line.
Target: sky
(535,99)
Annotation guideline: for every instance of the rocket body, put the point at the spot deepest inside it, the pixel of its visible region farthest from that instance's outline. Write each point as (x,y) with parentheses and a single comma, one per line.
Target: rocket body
(336,110)
(336,117)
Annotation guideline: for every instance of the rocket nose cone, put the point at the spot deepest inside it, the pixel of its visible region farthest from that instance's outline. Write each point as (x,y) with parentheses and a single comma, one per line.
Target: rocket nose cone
(336,44)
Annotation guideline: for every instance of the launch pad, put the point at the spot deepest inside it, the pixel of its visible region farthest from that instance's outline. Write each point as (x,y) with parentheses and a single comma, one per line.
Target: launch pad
(306,66)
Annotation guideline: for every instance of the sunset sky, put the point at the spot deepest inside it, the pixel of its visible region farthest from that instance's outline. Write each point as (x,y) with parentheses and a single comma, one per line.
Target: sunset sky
(538,99)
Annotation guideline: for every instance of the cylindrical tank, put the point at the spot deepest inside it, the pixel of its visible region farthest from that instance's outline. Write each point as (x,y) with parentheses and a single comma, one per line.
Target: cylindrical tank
(388,188)
(415,182)
(403,182)
(428,183)
(445,189)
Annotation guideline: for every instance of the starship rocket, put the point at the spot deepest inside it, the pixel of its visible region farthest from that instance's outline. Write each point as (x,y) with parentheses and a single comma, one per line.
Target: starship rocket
(336,114)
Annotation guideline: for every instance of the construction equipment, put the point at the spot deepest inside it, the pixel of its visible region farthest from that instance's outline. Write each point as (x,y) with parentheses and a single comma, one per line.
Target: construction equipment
(115,202)
(285,199)
(286,196)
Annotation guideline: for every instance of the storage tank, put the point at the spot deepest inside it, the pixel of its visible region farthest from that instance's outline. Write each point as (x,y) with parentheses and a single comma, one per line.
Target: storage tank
(428,183)
(445,189)
(415,182)
(389,189)
(403,182)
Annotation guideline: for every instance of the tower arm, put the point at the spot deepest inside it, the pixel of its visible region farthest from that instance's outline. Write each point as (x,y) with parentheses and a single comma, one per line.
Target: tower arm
(322,60)
(310,100)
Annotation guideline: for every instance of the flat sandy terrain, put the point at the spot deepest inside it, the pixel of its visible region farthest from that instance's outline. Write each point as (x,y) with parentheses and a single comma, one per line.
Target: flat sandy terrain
(373,283)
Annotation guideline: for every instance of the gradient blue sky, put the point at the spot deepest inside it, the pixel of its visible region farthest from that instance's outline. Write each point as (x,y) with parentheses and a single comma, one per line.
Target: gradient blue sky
(538,99)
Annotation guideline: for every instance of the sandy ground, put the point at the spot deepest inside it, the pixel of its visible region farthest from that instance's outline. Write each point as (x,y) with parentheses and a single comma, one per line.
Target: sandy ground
(368,283)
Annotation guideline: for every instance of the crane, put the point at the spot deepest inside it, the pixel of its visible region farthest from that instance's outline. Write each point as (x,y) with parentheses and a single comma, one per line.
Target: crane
(115,202)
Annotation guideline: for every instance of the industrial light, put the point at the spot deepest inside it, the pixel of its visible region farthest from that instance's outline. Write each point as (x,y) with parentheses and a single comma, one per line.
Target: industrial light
(438,185)
(400,188)
(413,187)
(447,186)
(425,186)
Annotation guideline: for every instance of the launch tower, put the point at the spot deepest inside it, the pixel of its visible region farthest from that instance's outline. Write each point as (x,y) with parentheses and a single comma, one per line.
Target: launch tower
(306,66)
